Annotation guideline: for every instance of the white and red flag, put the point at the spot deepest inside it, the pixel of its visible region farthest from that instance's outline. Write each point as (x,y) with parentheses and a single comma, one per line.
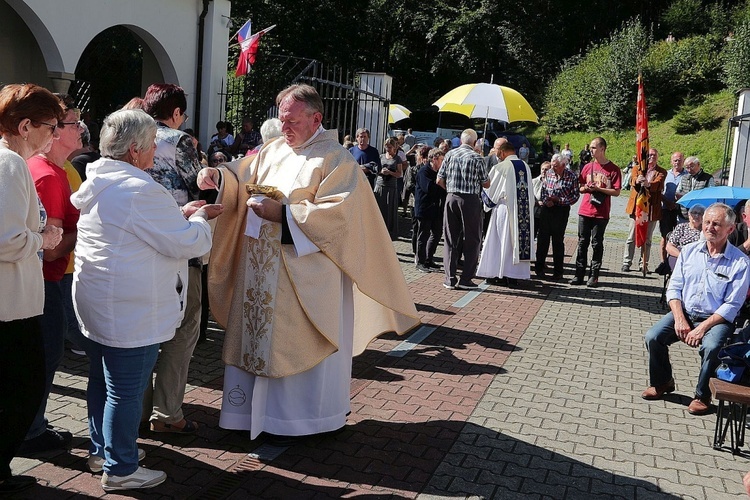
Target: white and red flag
(248,47)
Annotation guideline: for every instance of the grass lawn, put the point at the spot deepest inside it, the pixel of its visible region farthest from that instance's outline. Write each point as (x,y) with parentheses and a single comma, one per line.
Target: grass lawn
(707,145)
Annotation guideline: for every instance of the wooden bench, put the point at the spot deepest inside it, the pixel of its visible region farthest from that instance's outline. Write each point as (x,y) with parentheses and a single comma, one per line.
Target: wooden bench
(737,398)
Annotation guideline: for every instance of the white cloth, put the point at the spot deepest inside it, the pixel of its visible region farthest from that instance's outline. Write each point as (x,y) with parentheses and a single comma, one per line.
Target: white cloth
(263,404)
(130,279)
(536,184)
(500,252)
(568,155)
(252,226)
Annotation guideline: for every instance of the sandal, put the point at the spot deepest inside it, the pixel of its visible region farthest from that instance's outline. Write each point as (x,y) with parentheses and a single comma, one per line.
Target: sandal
(187,427)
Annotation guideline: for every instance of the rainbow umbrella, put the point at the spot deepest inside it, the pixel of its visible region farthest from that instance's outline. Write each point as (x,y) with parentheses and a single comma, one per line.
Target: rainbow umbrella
(397,112)
(488,100)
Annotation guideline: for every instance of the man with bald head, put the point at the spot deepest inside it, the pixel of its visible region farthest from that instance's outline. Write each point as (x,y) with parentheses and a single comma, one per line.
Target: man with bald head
(491,159)
(509,243)
(463,176)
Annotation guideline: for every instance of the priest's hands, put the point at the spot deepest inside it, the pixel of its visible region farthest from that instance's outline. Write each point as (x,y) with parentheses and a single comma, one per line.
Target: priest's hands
(208,178)
(266,209)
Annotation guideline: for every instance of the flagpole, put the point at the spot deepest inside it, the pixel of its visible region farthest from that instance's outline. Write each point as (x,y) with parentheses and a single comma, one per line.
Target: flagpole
(486,116)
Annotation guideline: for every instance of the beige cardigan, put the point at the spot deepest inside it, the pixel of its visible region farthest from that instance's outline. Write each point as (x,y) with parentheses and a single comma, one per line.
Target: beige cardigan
(22,284)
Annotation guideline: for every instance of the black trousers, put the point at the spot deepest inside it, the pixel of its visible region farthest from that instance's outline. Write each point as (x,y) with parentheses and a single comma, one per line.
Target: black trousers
(590,232)
(552,223)
(462,224)
(22,384)
(428,238)
(668,221)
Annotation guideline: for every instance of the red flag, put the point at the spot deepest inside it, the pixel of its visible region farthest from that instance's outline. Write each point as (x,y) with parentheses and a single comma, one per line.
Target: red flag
(248,47)
(641,148)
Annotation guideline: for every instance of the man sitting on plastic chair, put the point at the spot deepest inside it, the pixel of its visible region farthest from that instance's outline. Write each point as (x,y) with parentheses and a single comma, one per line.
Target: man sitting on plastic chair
(708,287)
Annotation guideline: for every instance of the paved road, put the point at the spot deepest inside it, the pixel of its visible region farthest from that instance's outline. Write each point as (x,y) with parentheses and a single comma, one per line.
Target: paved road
(531,392)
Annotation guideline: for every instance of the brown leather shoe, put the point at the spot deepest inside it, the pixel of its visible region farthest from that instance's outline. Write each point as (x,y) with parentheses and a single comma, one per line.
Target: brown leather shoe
(657,392)
(699,407)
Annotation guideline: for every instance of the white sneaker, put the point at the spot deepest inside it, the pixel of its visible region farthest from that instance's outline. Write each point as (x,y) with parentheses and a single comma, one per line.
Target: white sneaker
(141,478)
(96,464)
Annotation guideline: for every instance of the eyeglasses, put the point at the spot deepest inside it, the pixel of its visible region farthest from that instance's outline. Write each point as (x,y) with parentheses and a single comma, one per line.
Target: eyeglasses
(185,117)
(52,127)
(77,123)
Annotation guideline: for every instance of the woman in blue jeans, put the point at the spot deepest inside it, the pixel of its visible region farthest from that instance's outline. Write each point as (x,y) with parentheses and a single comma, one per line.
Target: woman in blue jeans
(129,287)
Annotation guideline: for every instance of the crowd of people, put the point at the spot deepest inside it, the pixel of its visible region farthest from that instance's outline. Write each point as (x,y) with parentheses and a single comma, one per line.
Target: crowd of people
(702,248)
(125,248)
(496,220)
(106,243)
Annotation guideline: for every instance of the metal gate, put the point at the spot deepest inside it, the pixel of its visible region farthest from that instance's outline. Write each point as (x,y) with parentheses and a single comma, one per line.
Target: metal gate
(350,100)
(80,91)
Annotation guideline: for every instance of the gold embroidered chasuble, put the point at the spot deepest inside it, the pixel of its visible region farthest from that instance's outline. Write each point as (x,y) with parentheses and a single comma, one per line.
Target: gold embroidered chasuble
(277,307)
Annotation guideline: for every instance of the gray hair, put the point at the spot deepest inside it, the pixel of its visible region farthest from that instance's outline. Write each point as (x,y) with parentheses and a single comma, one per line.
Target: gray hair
(303,93)
(85,135)
(434,153)
(692,159)
(123,129)
(729,215)
(697,210)
(362,130)
(557,157)
(271,128)
(469,136)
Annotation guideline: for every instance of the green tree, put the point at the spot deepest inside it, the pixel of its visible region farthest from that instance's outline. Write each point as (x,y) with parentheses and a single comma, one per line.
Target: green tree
(684,18)
(736,58)
(598,90)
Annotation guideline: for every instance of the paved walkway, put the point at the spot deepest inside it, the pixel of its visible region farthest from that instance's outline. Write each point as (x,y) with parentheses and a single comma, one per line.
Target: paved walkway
(531,392)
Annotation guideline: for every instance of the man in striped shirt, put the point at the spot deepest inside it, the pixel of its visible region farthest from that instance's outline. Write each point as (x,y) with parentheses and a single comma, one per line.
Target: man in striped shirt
(463,176)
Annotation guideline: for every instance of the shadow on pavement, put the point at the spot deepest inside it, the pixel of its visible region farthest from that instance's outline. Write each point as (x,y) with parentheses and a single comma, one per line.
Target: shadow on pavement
(398,460)
(439,353)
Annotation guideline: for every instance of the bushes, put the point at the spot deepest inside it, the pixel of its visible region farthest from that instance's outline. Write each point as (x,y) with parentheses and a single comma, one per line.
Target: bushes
(708,115)
(681,70)
(598,90)
(736,58)
(684,17)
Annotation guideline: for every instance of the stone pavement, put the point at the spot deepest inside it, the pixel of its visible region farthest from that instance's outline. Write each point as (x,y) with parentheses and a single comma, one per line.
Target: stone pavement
(532,392)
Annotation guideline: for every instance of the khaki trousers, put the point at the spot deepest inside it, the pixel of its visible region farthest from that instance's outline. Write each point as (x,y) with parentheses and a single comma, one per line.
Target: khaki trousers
(163,400)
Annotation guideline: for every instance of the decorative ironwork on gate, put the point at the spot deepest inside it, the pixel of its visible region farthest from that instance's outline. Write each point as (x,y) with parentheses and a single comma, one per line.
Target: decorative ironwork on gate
(350,99)
(80,91)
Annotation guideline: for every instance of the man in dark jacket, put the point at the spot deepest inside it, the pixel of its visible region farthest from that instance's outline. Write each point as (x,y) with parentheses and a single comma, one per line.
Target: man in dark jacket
(429,199)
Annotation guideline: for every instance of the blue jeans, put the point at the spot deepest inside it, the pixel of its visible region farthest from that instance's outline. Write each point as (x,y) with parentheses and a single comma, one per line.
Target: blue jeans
(117,381)
(54,326)
(662,335)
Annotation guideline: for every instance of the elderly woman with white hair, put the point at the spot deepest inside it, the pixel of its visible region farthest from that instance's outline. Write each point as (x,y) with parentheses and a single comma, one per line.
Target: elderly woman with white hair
(129,287)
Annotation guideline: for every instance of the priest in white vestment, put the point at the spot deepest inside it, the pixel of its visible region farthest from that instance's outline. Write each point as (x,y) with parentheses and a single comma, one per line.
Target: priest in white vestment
(509,242)
(301,284)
